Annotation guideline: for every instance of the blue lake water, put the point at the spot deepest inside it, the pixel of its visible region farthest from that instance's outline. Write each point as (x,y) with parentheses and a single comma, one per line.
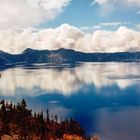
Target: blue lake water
(103,97)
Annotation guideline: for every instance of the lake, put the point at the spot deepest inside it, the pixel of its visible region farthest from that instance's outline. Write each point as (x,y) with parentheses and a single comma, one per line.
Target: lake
(103,97)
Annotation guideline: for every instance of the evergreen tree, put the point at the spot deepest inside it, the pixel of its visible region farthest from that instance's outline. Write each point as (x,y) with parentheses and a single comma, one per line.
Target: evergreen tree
(48,115)
(56,118)
(23,104)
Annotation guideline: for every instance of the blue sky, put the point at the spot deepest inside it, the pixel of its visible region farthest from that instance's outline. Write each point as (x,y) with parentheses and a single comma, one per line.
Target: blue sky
(82,25)
(81,13)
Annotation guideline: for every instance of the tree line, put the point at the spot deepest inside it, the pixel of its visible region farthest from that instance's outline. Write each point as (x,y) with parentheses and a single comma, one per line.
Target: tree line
(19,123)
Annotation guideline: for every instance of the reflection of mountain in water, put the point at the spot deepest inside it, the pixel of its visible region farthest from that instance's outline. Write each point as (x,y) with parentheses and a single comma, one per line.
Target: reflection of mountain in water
(67,80)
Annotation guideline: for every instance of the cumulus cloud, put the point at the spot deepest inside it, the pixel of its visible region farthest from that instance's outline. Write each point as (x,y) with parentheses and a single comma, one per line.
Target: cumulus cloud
(65,36)
(25,13)
(67,81)
(69,37)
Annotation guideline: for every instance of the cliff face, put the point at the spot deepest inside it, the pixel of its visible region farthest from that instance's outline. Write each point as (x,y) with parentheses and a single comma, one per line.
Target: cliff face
(56,58)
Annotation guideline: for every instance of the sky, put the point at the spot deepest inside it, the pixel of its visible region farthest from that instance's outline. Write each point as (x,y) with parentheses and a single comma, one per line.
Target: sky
(82,25)
(92,14)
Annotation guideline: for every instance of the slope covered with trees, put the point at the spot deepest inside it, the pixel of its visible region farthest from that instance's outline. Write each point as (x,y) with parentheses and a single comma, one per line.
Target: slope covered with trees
(18,123)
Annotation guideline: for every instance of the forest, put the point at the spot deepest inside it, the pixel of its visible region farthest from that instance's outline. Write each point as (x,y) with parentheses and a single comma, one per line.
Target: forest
(17,122)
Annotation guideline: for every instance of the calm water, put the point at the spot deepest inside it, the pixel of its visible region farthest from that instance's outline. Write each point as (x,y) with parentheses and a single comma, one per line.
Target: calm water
(103,97)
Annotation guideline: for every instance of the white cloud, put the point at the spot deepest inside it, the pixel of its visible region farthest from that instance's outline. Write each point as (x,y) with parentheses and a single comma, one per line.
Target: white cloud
(133,2)
(104,24)
(128,2)
(65,36)
(85,28)
(110,23)
(100,2)
(115,24)
(107,6)
(25,13)
(69,37)
(89,28)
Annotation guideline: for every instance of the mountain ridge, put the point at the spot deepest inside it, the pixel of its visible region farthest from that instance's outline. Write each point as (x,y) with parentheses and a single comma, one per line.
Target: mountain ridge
(30,56)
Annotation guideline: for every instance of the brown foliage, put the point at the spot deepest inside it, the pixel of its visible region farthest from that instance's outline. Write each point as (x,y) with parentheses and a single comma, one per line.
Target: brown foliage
(18,123)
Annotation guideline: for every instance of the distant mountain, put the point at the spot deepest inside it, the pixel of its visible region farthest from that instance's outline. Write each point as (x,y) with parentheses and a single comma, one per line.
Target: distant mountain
(30,56)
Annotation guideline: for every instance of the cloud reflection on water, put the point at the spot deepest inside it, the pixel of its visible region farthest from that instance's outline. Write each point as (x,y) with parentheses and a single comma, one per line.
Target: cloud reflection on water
(68,80)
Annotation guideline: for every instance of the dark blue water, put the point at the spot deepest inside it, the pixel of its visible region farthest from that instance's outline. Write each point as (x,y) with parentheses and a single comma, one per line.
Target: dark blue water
(103,97)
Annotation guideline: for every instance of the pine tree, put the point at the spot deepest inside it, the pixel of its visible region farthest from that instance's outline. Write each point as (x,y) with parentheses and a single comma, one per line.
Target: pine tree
(23,104)
(48,115)
(56,118)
